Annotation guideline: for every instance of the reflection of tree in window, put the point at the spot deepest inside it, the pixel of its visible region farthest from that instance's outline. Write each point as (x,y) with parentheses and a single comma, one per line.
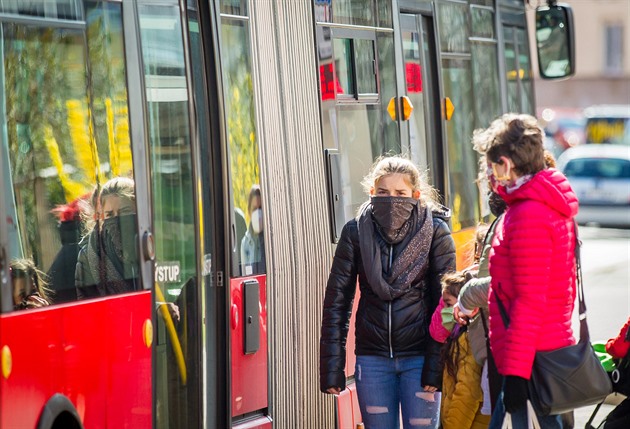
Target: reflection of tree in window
(240,109)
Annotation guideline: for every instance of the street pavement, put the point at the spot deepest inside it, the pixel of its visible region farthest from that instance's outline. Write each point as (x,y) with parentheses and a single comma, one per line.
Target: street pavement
(606,272)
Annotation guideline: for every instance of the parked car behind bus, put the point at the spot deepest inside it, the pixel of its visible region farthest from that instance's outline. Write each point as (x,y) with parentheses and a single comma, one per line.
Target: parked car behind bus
(600,176)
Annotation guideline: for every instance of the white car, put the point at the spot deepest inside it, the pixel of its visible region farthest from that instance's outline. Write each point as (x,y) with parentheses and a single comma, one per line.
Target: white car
(600,176)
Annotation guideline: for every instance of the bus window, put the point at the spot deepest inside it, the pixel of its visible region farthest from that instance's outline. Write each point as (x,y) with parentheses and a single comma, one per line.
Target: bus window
(355,121)
(66,137)
(457,78)
(518,69)
(248,247)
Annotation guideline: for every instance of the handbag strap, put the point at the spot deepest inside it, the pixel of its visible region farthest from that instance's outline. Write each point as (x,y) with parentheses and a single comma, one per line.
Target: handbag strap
(584,334)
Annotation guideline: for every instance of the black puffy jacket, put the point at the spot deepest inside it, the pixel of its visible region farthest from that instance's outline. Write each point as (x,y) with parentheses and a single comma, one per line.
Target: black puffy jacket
(398,328)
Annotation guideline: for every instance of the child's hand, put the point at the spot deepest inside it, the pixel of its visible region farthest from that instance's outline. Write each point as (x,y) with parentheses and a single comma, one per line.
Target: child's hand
(431,389)
(458,316)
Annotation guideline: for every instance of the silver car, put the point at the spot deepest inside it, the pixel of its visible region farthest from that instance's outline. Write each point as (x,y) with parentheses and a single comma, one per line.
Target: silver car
(600,176)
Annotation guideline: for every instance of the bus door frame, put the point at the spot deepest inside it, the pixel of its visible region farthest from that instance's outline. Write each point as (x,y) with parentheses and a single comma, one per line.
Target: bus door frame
(433,142)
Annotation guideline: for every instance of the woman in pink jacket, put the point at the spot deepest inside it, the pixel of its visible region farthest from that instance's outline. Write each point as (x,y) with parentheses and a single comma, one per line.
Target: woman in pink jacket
(532,258)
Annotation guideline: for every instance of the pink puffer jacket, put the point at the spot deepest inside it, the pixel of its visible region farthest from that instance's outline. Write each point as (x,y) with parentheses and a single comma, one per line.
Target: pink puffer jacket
(533,272)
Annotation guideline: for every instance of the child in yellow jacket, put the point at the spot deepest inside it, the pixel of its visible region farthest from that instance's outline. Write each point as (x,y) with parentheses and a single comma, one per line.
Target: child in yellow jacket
(462,396)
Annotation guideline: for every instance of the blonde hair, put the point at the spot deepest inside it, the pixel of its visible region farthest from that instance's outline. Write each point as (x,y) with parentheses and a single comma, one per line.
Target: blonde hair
(399,164)
(123,187)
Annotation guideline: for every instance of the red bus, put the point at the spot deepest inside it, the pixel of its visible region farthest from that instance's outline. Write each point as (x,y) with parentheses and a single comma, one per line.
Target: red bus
(179,171)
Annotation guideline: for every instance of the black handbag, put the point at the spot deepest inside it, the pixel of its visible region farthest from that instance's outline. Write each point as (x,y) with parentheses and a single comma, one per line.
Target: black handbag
(569,377)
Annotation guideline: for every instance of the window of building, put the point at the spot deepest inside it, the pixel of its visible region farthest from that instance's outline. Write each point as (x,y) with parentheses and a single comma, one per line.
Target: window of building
(613,49)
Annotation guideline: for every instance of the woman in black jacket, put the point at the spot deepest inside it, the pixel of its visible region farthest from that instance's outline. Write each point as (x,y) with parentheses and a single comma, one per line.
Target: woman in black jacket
(398,247)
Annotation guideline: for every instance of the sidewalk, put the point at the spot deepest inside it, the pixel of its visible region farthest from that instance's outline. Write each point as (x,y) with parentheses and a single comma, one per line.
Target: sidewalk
(583,414)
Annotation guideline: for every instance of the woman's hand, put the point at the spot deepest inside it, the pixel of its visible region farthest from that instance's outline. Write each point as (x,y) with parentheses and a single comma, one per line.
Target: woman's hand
(333,390)
(514,393)
(431,389)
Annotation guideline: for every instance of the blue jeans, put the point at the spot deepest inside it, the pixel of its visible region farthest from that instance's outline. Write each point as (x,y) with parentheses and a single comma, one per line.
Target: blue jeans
(387,386)
(519,418)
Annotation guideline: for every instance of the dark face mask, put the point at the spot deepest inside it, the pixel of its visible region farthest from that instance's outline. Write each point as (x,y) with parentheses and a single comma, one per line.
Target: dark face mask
(392,215)
(119,238)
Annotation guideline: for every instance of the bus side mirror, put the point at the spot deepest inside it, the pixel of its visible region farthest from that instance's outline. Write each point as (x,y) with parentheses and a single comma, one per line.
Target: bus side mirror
(555,41)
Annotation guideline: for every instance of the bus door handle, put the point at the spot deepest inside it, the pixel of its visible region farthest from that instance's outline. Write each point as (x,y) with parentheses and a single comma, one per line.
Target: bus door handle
(251,316)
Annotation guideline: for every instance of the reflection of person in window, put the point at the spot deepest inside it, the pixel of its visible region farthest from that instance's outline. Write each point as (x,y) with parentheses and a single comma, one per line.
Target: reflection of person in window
(253,243)
(28,285)
(107,262)
(62,270)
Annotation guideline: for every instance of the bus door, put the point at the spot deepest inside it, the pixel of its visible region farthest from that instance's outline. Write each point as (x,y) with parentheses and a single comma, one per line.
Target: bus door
(421,133)
(454,46)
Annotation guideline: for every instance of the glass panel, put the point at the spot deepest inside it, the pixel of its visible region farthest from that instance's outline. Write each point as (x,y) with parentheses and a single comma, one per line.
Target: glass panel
(354,12)
(56,9)
(525,71)
(483,2)
(249,248)
(72,222)
(462,160)
(384,13)
(482,22)
(387,80)
(364,59)
(234,7)
(454,27)
(552,39)
(343,65)
(328,80)
(322,10)
(485,78)
(413,79)
(358,146)
(511,70)
(176,397)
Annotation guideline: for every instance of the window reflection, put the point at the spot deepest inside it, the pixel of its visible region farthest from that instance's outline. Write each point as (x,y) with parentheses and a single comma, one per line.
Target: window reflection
(344,64)
(64,140)
(462,160)
(248,246)
(176,293)
(454,27)
(60,9)
(518,69)
(366,77)
(414,79)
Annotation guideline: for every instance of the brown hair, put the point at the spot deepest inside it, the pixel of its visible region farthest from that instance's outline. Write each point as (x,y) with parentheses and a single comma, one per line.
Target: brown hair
(515,136)
(452,283)
(254,192)
(26,268)
(398,164)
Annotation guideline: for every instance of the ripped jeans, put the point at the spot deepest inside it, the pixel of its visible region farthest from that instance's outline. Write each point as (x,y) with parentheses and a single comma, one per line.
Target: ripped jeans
(387,386)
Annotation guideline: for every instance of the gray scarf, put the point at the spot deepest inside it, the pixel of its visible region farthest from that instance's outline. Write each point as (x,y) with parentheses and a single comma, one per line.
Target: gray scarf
(410,264)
